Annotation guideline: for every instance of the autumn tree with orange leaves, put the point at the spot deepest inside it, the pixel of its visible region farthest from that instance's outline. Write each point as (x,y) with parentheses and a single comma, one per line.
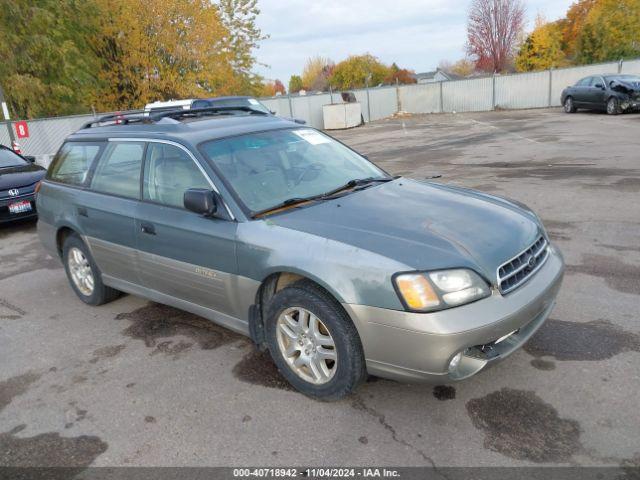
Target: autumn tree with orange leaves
(159,51)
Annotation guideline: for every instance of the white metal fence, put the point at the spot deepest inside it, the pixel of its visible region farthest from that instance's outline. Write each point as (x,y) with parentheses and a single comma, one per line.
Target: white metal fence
(523,90)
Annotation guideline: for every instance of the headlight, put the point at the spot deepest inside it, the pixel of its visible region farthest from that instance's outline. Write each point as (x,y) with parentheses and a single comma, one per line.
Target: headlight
(442,289)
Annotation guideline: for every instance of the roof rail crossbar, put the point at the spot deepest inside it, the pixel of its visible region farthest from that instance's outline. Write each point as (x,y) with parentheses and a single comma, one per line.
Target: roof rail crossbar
(118,118)
(201,112)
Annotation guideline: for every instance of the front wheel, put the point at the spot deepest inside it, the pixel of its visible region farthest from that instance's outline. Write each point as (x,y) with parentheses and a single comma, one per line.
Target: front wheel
(613,106)
(569,106)
(313,342)
(83,273)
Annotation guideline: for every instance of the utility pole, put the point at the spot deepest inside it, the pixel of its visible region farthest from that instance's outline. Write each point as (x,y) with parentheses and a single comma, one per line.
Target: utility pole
(7,117)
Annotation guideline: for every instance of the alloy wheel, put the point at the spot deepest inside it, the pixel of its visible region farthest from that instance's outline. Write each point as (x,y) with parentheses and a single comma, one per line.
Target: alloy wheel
(568,105)
(80,271)
(306,345)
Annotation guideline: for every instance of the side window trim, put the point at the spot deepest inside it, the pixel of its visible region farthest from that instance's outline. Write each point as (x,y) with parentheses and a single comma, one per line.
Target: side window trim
(187,151)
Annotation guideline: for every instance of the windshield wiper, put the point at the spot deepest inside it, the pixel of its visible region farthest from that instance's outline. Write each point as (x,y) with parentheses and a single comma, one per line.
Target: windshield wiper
(289,202)
(356,182)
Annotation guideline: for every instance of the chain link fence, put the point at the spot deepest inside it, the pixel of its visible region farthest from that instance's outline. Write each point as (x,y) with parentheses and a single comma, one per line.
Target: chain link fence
(522,90)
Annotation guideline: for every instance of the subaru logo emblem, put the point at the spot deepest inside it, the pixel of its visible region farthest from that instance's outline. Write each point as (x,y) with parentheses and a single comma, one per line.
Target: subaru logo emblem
(14,192)
(531,262)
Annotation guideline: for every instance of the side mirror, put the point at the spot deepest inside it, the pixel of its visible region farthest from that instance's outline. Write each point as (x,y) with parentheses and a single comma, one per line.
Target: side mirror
(300,121)
(201,200)
(29,158)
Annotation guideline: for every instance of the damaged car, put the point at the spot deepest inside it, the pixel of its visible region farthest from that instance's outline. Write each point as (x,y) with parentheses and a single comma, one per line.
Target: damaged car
(611,93)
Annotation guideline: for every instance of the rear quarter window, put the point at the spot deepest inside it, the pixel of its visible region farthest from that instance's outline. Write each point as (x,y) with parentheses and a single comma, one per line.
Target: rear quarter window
(73,162)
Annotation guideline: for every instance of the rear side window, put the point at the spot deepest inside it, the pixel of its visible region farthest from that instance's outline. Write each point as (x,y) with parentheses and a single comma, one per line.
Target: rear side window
(118,170)
(585,82)
(73,162)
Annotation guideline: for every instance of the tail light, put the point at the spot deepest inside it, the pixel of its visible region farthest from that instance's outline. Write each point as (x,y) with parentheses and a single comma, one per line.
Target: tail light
(37,189)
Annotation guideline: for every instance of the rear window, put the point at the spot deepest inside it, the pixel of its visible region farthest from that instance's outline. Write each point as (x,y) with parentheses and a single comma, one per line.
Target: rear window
(10,159)
(73,162)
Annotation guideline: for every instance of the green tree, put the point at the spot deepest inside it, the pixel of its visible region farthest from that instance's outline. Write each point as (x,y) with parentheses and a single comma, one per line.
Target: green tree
(47,67)
(242,39)
(295,84)
(356,70)
(542,49)
(160,50)
(316,73)
(610,31)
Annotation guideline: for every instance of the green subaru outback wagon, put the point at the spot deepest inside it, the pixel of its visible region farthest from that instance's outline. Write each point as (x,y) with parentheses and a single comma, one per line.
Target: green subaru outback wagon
(286,235)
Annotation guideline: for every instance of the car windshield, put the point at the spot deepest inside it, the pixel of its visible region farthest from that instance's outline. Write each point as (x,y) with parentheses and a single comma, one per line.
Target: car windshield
(268,169)
(231,102)
(10,159)
(625,78)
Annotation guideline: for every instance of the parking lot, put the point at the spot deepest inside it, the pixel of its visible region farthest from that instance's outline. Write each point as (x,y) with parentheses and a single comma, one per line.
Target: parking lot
(136,383)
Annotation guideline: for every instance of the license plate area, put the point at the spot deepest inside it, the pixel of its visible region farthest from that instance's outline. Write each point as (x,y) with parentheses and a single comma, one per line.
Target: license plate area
(20,207)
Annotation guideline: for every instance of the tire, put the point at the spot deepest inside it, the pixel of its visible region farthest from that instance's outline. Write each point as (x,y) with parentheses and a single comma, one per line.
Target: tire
(317,374)
(613,106)
(569,106)
(79,266)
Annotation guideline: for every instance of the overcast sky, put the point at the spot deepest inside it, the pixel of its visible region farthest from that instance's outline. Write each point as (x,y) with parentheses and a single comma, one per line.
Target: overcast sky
(416,34)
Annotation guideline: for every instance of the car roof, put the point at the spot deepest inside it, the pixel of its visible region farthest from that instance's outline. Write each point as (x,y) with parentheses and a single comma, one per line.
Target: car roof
(234,97)
(193,131)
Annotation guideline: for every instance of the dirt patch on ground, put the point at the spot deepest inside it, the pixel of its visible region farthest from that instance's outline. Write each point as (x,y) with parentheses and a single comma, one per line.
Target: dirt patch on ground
(544,365)
(30,256)
(155,322)
(9,311)
(520,425)
(444,392)
(258,368)
(14,386)
(49,450)
(106,352)
(620,276)
(597,340)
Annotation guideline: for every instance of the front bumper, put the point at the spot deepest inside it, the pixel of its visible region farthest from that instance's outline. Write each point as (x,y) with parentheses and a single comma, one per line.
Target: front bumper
(409,346)
(5,216)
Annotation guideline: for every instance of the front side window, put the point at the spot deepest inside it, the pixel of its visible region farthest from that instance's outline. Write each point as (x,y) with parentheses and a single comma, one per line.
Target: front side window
(118,171)
(267,168)
(10,159)
(169,171)
(73,162)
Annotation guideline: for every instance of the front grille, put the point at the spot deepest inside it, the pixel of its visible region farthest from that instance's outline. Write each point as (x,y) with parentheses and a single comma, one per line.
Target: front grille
(520,268)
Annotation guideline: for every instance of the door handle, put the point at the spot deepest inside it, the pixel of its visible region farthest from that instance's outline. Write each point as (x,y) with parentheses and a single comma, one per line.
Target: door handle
(147,228)
(82,212)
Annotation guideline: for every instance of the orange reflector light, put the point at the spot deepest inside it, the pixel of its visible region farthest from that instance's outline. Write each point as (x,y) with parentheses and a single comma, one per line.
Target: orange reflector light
(417,292)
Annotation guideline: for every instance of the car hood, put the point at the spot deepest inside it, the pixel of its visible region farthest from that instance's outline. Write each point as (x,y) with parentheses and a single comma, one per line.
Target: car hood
(21,176)
(426,226)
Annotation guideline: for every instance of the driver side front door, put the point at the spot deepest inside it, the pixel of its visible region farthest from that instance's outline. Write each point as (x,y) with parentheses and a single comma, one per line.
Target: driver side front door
(184,255)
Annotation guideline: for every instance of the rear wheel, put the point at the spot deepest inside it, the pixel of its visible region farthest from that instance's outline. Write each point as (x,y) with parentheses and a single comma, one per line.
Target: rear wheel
(613,106)
(569,106)
(83,273)
(313,342)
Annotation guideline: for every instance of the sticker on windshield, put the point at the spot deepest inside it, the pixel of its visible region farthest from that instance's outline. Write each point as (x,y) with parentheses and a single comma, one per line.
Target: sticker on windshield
(253,101)
(311,136)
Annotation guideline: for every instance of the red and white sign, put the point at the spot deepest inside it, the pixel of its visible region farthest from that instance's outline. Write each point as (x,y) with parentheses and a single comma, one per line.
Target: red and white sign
(16,147)
(22,129)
